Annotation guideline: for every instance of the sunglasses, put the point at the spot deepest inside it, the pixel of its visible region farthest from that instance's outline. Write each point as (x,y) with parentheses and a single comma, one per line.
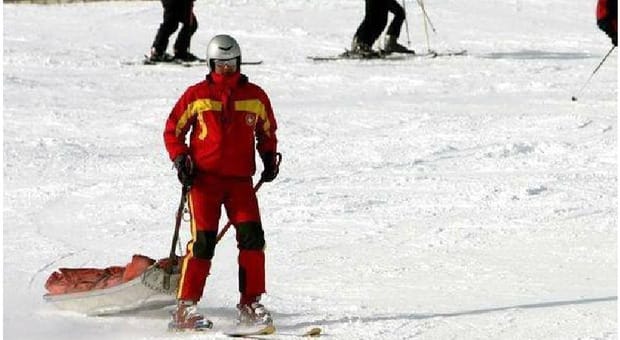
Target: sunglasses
(225,62)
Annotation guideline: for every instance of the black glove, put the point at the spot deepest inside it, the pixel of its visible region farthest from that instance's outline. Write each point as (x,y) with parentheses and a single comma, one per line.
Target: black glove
(185,169)
(270,167)
(614,40)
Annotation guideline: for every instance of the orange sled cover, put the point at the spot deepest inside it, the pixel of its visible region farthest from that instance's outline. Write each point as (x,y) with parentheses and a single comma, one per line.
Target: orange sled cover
(141,284)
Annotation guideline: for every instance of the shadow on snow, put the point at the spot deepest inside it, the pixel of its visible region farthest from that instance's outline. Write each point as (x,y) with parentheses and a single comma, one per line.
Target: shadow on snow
(550,304)
(535,54)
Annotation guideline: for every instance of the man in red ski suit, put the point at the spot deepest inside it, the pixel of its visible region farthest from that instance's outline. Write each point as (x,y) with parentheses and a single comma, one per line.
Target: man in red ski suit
(607,18)
(226,115)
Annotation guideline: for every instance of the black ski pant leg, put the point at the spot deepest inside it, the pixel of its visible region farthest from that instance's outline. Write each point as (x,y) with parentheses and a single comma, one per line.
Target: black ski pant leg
(168,26)
(374,21)
(185,34)
(397,21)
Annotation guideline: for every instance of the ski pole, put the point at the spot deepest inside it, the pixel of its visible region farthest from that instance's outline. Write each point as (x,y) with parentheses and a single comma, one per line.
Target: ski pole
(426,17)
(428,44)
(173,257)
(229,223)
(406,23)
(256,187)
(574,98)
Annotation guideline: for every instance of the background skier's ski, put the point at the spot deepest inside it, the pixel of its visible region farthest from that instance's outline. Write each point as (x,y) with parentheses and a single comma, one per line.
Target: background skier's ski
(387,56)
(199,62)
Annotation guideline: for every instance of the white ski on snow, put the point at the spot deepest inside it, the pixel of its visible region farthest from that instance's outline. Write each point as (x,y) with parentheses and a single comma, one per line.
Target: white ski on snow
(266,331)
(388,56)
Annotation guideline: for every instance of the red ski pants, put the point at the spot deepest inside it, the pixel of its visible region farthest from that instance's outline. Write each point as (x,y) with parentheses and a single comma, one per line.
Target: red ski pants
(206,197)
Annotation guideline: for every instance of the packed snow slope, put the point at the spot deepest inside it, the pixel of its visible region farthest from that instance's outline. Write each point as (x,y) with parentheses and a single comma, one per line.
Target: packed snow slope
(449,198)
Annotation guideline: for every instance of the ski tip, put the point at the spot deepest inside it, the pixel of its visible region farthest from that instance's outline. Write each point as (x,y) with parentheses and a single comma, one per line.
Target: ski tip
(313,332)
(268,330)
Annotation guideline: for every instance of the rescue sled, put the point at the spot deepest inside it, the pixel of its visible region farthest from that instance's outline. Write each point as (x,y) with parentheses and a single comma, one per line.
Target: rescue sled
(141,285)
(114,289)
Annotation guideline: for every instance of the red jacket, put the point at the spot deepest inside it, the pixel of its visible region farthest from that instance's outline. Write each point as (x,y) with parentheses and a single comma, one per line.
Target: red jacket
(226,115)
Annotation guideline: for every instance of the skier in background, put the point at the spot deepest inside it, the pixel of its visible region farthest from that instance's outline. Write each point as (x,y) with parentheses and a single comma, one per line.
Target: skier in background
(375,20)
(175,12)
(607,18)
(226,114)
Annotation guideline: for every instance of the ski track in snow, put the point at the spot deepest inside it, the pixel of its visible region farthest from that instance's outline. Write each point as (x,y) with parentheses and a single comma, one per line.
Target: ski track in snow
(448,198)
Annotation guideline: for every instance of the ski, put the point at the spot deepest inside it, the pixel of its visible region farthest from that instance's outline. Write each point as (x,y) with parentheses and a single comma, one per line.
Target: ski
(147,61)
(199,62)
(312,332)
(204,63)
(268,331)
(381,55)
(348,55)
(252,62)
(251,331)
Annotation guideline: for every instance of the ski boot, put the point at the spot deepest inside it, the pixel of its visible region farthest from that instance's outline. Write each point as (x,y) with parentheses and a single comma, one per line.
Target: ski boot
(392,46)
(187,318)
(361,50)
(255,315)
(253,319)
(185,57)
(158,57)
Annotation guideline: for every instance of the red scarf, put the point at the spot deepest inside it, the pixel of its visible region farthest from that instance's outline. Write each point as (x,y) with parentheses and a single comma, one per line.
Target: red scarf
(224,84)
(225,81)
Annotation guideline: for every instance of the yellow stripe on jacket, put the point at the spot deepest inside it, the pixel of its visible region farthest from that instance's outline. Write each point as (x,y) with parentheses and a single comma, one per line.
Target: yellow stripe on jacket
(194,108)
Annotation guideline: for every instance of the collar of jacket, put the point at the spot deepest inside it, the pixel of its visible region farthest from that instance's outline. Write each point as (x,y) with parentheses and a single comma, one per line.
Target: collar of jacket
(230,81)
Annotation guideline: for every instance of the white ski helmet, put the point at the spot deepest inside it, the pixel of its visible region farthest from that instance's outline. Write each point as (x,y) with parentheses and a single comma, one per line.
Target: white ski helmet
(223,46)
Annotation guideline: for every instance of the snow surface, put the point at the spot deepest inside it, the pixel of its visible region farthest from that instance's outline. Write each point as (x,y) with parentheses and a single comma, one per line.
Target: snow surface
(451,198)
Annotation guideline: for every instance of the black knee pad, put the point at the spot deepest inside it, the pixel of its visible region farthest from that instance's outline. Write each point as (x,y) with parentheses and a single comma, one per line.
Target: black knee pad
(250,236)
(204,244)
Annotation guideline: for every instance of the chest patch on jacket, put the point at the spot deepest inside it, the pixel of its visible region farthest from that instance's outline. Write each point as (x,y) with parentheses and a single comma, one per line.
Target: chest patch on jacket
(250,119)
